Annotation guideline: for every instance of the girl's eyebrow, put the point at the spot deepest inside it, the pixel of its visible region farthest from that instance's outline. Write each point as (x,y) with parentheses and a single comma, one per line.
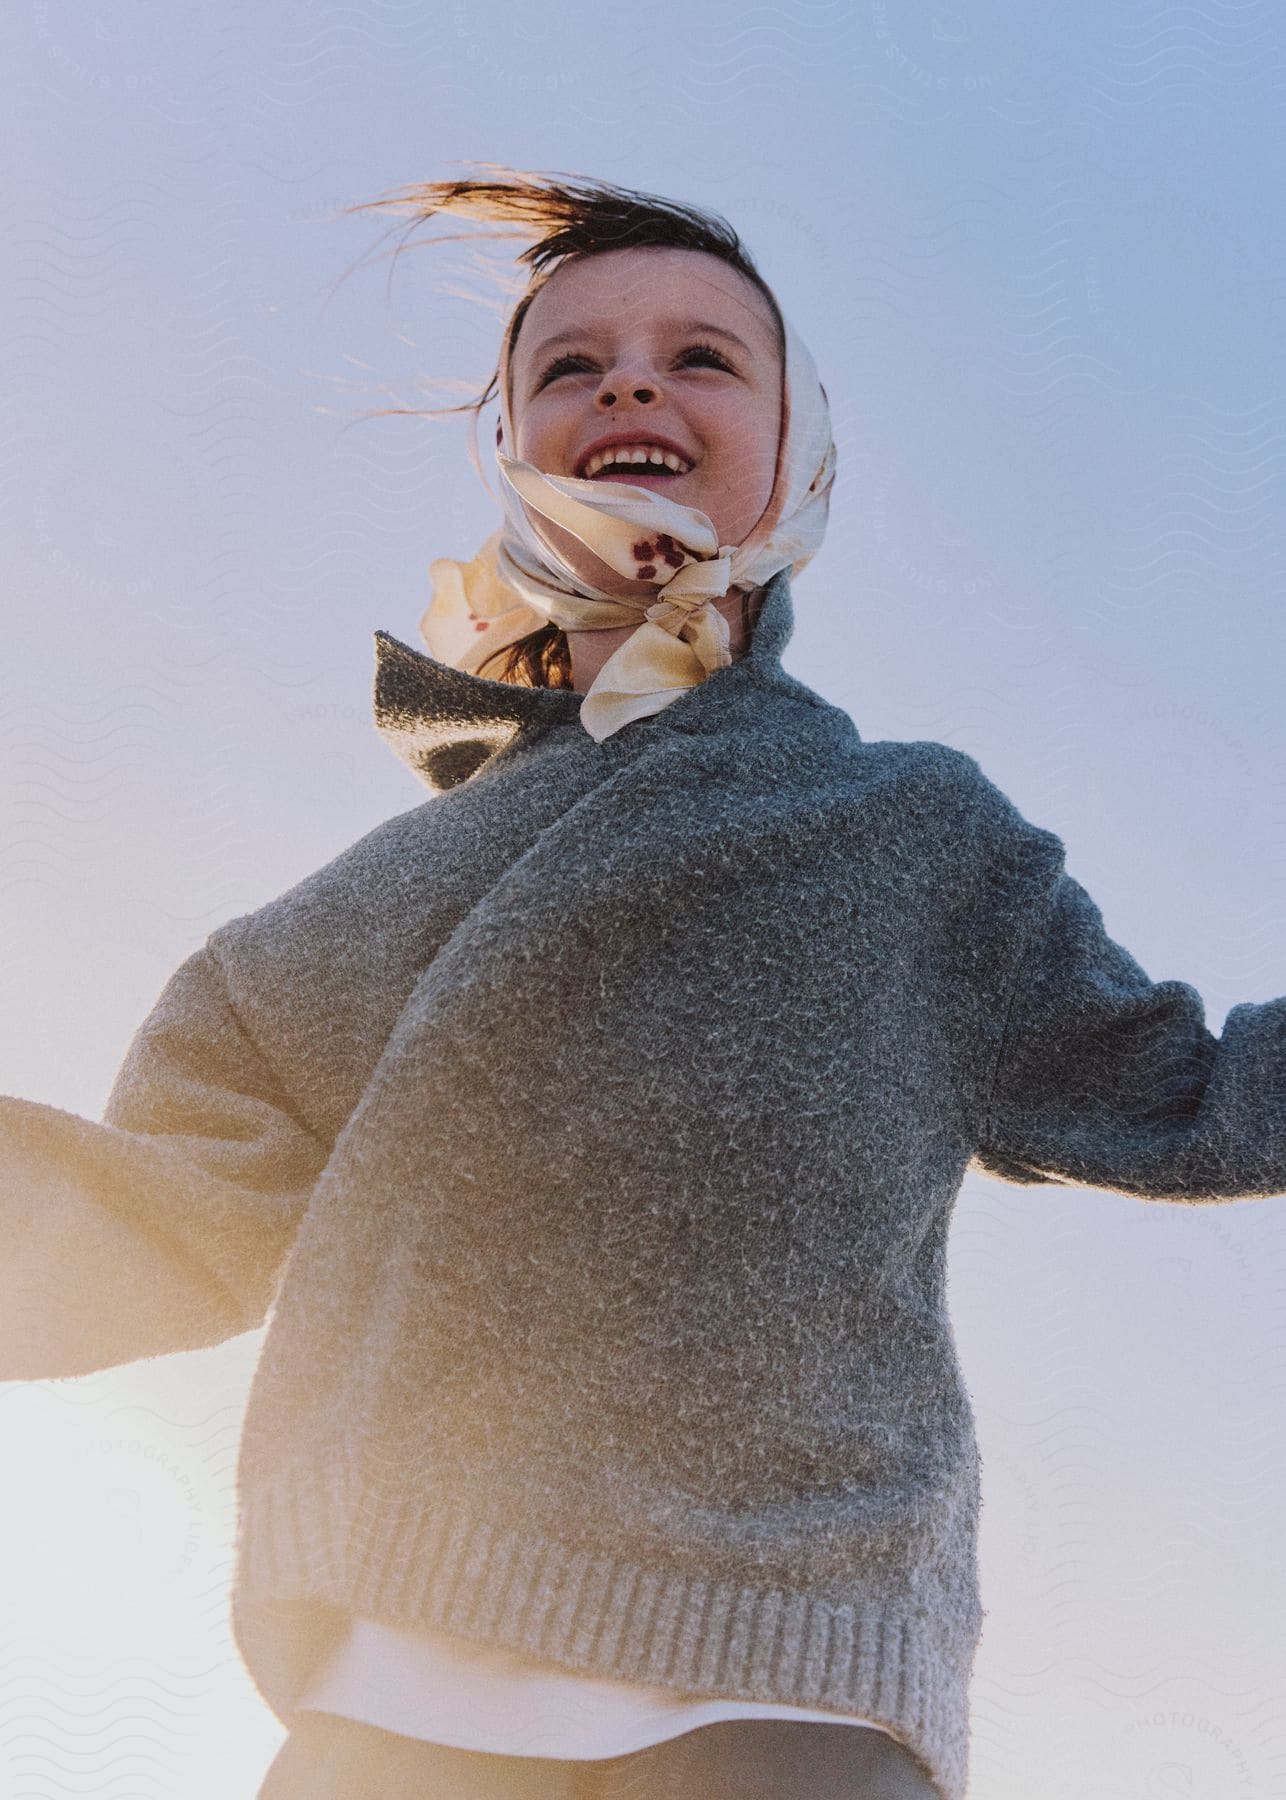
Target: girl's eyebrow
(582,331)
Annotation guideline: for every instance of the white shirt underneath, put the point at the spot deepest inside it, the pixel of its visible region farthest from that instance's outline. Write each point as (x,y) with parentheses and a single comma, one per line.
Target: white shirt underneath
(449,1690)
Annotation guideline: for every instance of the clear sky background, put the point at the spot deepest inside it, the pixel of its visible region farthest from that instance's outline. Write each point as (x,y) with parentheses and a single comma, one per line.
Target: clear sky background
(1037,255)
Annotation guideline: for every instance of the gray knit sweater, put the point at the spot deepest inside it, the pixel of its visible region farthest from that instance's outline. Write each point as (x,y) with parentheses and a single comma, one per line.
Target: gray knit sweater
(588,1136)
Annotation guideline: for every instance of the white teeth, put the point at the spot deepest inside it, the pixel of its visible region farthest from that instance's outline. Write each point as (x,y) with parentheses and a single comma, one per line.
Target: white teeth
(636,453)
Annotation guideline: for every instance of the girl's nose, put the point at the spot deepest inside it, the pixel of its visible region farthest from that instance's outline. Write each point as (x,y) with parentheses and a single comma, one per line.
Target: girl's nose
(612,386)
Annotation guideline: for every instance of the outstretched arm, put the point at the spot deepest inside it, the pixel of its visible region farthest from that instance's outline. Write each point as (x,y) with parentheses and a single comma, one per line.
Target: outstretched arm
(165,1227)
(1109,1080)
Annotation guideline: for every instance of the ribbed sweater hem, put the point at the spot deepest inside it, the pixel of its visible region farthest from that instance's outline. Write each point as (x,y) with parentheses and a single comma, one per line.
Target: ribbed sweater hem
(310,1555)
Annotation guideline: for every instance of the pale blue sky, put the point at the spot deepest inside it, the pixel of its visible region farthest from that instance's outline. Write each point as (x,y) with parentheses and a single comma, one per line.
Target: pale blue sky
(1038,259)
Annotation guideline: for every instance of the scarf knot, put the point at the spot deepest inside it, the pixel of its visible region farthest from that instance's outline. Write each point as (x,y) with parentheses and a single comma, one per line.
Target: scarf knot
(683,607)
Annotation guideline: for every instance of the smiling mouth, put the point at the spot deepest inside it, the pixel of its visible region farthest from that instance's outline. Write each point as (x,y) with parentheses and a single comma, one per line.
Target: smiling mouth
(633,463)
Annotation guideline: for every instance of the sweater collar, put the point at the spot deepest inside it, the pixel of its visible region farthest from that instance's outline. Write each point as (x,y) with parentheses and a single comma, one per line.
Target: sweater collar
(447,725)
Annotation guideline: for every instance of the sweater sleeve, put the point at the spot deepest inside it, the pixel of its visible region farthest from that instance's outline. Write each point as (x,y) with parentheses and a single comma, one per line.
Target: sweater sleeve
(165,1227)
(1109,1080)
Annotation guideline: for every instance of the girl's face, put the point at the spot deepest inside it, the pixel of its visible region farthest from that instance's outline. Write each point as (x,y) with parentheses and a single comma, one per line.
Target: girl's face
(652,344)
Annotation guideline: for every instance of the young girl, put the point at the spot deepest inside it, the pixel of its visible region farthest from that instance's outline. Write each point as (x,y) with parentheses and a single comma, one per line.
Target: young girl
(589,1133)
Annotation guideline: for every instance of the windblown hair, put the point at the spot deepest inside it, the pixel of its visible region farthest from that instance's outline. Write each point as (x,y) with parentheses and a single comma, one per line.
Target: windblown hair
(571,218)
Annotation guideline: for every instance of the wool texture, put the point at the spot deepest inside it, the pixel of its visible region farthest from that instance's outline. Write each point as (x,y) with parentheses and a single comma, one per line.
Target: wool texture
(587,1136)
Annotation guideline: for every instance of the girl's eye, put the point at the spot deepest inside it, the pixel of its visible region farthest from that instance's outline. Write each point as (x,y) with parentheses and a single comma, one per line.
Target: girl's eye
(562,364)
